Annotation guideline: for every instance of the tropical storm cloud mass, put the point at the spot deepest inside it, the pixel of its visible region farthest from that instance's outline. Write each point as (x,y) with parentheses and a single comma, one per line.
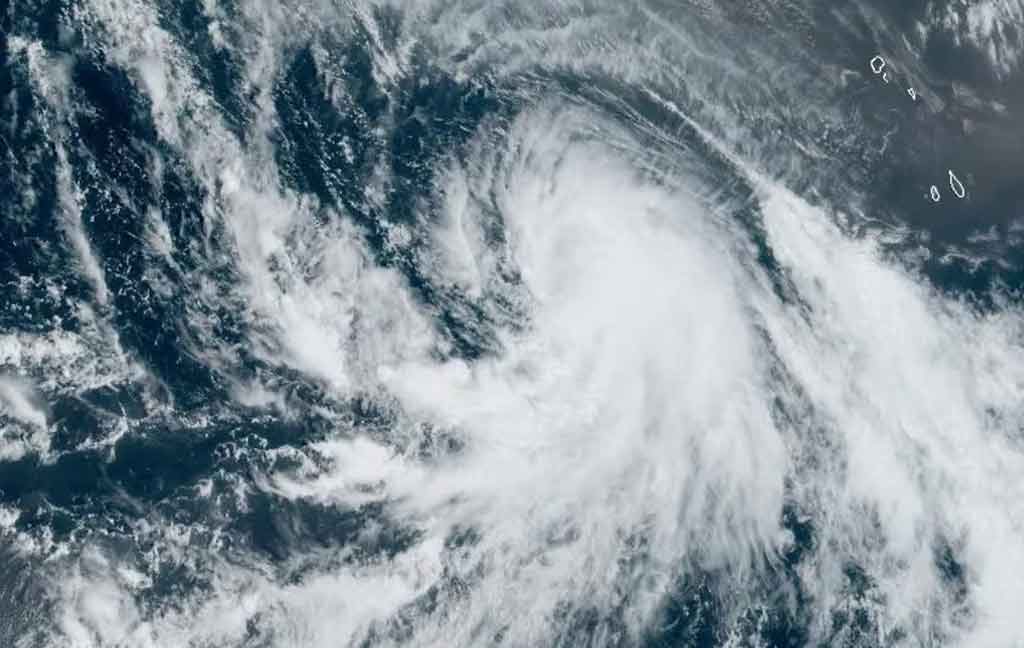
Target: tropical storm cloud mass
(330,323)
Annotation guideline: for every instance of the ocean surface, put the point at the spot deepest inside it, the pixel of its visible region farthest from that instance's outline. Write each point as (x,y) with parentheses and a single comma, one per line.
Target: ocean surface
(592,323)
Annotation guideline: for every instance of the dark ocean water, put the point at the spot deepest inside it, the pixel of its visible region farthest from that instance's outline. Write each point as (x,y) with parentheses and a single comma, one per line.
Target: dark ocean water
(569,324)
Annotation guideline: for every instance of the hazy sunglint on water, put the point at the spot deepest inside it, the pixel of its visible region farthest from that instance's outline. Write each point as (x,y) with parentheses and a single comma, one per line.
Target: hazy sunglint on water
(511,324)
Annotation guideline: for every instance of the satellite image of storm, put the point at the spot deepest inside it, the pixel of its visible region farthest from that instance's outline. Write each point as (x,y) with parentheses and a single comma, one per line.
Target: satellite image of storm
(511,323)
